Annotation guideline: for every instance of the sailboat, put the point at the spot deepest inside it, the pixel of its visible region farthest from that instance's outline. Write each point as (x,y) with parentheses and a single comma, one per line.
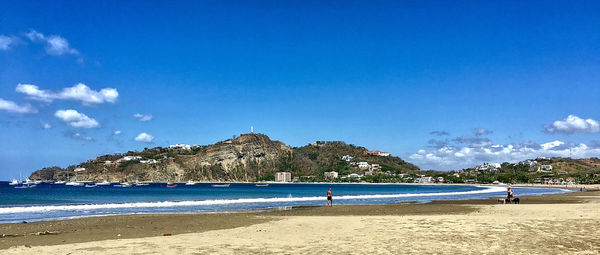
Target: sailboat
(14,182)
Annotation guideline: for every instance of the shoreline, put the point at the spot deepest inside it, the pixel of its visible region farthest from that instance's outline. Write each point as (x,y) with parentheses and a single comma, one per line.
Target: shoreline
(417,200)
(148,225)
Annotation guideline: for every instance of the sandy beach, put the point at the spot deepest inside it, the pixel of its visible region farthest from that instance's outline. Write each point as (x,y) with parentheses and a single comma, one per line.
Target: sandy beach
(550,224)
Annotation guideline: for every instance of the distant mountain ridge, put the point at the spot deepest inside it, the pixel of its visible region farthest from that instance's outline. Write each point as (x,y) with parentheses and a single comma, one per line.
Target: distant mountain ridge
(249,157)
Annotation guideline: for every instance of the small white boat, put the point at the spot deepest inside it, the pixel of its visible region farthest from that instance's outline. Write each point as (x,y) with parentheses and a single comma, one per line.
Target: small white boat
(29,182)
(262,185)
(220,185)
(74,183)
(91,185)
(25,186)
(123,185)
(103,183)
(190,183)
(141,184)
(37,182)
(14,182)
(59,182)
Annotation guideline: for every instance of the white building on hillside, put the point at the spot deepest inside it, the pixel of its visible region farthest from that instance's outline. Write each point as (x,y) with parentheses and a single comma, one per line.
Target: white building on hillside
(129,158)
(180,146)
(546,168)
(363,165)
(347,157)
(283,177)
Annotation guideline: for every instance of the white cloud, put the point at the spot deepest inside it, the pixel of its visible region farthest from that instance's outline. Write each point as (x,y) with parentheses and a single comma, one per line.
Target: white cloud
(5,42)
(450,157)
(76,119)
(573,124)
(117,132)
(13,107)
(482,131)
(143,117)
(79,92)
(80,136)
(144,137)
(55,45)
(45,125)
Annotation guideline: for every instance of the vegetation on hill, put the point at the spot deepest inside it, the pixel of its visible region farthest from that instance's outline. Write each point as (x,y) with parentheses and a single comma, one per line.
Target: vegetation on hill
(249,157)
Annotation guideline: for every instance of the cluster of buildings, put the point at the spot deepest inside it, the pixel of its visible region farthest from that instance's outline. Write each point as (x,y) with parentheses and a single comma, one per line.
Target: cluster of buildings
(379,153)
(556,181)
(489,167)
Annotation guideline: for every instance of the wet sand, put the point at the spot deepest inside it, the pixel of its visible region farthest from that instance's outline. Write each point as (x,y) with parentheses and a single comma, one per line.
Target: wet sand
(555,224)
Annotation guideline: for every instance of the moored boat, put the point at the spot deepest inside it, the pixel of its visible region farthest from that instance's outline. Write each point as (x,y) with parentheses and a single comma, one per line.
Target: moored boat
(14,182)
(103,183)
(59,182)
(220,185)
(262,185)
(190,183)
(74,183)
(171,185)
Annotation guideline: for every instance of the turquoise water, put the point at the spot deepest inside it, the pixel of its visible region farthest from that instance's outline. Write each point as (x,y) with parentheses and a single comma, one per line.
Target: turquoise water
(51,201)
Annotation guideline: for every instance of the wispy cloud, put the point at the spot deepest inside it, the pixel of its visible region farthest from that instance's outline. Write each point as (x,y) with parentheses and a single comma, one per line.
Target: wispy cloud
(6,42)
(78,136)
(144,137)
(572,124)
(79,92)
(439,133)
(75,119)
(55,45)
(482,131)
(45,125)
(117,132)
(13,107)
(143,117)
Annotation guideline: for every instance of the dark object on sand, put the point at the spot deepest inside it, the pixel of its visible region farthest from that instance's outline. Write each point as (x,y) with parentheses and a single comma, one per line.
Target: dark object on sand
(516,200)
(168,234)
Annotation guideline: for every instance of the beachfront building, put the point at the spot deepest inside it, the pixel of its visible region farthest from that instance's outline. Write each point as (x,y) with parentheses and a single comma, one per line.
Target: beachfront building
(149,161)
(353,176)
(363,164)
(331,175)
(425,179)
(79,169)
(347,158)
(180,146)
(440,179)
(283,177)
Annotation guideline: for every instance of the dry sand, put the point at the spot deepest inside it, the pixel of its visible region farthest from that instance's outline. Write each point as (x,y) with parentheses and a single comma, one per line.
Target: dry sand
(553,224)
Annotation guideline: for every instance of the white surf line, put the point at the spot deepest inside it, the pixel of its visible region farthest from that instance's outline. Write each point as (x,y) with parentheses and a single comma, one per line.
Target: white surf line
(49,208)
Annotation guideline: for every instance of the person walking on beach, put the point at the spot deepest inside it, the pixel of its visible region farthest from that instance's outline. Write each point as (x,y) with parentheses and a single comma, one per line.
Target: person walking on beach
(329,198)
(509,196)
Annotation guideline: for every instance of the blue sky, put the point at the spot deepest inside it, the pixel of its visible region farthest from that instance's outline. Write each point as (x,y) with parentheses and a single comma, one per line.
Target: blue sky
(380,74)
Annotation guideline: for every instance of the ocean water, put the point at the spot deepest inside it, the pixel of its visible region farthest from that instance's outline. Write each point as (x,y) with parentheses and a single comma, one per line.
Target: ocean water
(52,201)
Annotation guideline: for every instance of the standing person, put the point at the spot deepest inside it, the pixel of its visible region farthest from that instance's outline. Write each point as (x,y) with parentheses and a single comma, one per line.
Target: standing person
(510,192)
(329,198)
